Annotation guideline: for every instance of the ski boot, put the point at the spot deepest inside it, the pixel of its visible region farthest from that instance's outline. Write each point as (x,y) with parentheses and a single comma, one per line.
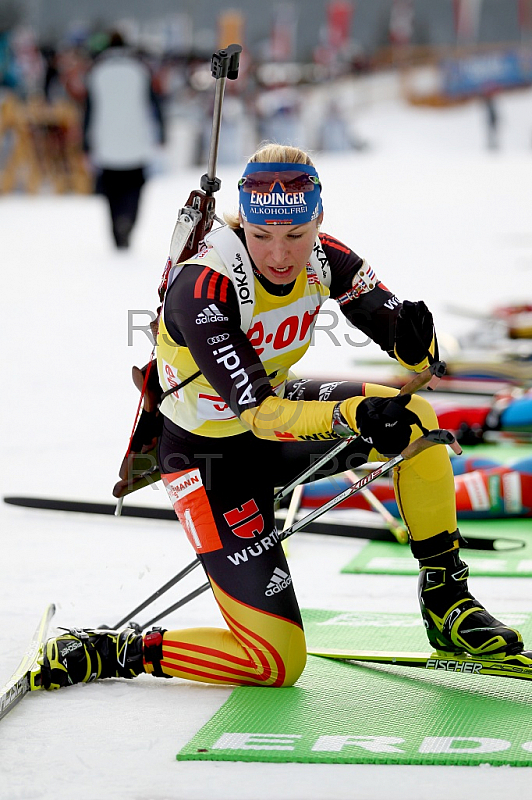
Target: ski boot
(455,622)
(81,656)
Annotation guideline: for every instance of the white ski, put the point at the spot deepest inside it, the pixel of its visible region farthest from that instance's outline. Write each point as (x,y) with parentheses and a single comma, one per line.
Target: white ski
(519,667)
(19,683)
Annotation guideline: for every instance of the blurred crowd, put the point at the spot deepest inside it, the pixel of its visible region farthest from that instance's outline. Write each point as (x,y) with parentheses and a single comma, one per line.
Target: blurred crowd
(94,114)
(265,102)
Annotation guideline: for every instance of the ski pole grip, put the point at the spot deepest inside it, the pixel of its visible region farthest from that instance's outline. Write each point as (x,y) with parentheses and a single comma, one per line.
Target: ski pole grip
(437,370)
(436,436)
(430,378)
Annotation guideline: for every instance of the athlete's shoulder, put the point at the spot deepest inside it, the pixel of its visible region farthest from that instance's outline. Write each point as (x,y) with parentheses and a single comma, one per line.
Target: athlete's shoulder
(198,281)
(343,261)
(331,244)
(208,256)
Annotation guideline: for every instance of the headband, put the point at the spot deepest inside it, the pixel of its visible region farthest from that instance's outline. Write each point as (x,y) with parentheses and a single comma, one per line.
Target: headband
(279,193)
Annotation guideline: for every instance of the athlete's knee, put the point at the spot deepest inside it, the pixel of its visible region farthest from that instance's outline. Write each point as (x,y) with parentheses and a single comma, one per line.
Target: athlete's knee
(294,658)
(424,411)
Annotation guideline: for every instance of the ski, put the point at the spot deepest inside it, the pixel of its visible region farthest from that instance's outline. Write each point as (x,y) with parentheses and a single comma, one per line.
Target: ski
(438,661)
(19,684)
(331,527)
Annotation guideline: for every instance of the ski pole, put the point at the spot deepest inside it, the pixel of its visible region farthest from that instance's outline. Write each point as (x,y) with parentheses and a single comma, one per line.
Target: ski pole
(430,377)
(172,582)
(397,528)
(437,436)
(292,511)
(186,599)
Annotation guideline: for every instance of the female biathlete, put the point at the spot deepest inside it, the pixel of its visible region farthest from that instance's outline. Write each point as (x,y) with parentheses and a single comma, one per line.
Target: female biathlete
(238,315)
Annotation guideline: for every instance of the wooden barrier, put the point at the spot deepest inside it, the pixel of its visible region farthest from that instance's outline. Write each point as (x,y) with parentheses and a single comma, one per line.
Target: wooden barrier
(40,147)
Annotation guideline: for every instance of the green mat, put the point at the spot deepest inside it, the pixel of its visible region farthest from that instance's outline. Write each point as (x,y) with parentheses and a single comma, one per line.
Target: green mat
(504,452)
(345,713)
(391,558)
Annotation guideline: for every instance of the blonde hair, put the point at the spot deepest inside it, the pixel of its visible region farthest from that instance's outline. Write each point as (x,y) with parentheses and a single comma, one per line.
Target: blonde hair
(270,152)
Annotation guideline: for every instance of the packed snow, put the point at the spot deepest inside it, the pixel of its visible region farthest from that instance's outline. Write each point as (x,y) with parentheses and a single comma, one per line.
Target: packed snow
(439,217)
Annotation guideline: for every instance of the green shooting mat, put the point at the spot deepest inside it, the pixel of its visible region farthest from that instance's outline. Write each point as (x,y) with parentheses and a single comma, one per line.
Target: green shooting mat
(508,560)
(503,452)
(339,712)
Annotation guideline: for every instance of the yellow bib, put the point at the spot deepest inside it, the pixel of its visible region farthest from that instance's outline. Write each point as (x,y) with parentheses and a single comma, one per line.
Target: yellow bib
(280,332)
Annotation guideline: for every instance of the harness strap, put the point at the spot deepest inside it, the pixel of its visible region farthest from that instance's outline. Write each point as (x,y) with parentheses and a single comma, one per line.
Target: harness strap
(238,264)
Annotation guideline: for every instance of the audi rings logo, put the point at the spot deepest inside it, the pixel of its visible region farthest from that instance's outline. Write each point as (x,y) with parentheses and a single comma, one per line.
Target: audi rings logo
(218,339)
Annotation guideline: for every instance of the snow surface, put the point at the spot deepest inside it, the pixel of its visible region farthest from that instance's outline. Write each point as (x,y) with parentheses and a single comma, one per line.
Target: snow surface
(439,217)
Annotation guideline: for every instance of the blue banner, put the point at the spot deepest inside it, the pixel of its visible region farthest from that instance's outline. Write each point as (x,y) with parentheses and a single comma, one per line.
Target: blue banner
(486,72)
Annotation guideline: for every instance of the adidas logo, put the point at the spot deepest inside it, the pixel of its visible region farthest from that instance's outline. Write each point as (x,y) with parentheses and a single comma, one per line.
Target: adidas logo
(210,314)
(279,581)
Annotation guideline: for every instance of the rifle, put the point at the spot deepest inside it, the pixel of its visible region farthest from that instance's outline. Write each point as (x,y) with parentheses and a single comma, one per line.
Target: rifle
(139,465)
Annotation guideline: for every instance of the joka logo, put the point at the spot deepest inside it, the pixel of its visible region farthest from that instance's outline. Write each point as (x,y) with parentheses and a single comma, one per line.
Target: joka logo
(280,580)
(210,314)
(322,259)
(241,281)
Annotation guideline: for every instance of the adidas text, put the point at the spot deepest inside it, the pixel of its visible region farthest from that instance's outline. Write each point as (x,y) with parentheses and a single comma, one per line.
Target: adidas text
(210,314)
(279,581)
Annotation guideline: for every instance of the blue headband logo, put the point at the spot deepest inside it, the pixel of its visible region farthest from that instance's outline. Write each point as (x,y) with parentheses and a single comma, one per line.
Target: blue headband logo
(279,194)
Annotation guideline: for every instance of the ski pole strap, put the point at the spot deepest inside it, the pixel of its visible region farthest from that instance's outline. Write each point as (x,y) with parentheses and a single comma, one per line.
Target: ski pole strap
(430,378)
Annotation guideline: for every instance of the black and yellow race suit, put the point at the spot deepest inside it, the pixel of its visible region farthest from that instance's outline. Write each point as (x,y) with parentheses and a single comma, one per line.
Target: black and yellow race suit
(245,426)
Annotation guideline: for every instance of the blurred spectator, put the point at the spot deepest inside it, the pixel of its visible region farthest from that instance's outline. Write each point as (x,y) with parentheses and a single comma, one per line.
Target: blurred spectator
(335,133)
(278,113)
(52,86)
(123,122)
(73,62)
(9,76)
(28,63)
(492,121)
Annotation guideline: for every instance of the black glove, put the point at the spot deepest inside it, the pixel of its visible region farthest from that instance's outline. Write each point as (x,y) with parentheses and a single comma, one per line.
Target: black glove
(414,334)
(386,423)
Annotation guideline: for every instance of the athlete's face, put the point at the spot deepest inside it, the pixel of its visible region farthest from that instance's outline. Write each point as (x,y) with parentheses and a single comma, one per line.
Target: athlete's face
(281,252)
